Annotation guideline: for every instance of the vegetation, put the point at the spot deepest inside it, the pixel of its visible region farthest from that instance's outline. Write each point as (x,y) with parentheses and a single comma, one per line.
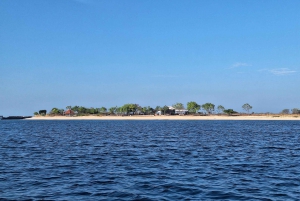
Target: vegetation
(112,110)
(101,110)
(135,109)
(220,109)
(295,111)
(158,108)
(247,107)
(230,111)
(208,107)
(285,111)
(178,106)
(165,109)
(56,111)
(193,107)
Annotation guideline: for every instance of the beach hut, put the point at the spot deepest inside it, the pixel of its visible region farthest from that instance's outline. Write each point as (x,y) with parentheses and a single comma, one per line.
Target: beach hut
(178,111)
(69,113)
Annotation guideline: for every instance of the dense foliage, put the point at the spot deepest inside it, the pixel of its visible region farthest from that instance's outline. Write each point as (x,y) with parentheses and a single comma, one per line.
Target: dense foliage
(135,109)
(193,107)
(208,107)
(247,107)
(230,111)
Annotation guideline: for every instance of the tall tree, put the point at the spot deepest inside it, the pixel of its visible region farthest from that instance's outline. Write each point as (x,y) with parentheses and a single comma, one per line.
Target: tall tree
(150,110)
(165,108)
(158,108)
(102,110)
(220,109)
(208,107)
(130,107)
(295,111)
(82,110)
(247,107)
(139,110)
(144,110)
(112,110)
(69,107)
(193,107)
(75,108)
(285,111)
(119,110)
(178,106)
(133,108)
(92,110)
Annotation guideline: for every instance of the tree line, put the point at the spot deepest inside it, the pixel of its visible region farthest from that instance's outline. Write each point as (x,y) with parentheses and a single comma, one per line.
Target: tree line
(292,111)
(135,109)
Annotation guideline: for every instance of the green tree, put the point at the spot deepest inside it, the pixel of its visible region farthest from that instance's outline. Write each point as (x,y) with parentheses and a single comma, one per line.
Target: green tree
(220,109)
(193,107)
(118,110)
(36,113)
(285,111)
(247,107)
(75,108)
(208,107)
(133,108)
(55,111)
(82,110)
(112,110)
(158,108)
(69,107)
(295,111)
(165,109)
(92,110)
(127,108)
(150,110)
(144,110)
(229,111)
(178,106)
(102,110)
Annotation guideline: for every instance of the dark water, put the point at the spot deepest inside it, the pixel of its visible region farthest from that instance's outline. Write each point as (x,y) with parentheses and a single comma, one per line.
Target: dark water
(149,160)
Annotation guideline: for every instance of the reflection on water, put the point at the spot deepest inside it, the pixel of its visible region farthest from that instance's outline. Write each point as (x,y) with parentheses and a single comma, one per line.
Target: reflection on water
(150,160)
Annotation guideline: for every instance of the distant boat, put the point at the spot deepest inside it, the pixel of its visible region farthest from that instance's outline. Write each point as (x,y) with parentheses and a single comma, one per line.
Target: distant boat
(14,117)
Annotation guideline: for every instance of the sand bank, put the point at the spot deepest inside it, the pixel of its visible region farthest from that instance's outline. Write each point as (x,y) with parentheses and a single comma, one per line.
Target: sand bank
(175,117)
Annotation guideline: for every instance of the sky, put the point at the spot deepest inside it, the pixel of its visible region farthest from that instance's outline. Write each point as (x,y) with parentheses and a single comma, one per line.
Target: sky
(94,53)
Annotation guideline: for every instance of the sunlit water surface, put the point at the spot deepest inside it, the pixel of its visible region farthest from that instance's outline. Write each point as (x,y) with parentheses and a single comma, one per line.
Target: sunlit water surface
(149,160)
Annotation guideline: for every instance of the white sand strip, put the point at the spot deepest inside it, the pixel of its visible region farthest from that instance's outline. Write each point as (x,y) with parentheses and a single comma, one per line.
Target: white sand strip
(173,117)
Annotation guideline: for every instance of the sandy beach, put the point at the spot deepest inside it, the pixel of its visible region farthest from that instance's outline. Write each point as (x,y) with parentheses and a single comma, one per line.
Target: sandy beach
(173,117)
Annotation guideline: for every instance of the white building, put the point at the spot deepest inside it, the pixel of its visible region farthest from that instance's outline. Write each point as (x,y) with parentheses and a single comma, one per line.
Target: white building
(180,112)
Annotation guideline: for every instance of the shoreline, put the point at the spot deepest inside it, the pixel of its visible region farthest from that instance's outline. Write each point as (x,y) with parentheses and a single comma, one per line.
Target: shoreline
(162,117)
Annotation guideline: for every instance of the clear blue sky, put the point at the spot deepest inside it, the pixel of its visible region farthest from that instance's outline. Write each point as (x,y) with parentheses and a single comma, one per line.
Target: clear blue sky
(55,53)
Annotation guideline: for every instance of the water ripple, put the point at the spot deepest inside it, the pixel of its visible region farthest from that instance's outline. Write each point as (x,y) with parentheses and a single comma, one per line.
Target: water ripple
(149,160)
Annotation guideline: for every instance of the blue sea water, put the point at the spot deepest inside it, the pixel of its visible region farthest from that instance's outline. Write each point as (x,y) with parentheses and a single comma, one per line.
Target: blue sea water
(149,160)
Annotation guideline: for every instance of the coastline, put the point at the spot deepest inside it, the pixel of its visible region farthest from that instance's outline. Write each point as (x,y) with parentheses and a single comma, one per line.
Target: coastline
(162,117)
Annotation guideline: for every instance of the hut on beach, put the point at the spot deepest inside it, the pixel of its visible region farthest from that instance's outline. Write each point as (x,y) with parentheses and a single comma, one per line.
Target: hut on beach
(69,113)
(178,111)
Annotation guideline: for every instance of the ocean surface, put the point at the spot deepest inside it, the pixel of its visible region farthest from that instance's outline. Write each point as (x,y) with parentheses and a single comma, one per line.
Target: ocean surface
(149,160)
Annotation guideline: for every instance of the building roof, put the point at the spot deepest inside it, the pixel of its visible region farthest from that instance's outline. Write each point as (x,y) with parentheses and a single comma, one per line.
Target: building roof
(172,108)
(69,112)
